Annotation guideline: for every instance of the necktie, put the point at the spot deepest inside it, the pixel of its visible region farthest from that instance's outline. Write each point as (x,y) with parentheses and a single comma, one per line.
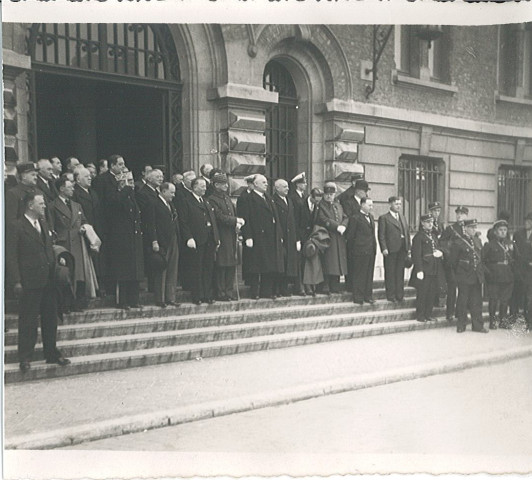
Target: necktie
(37,226)
(67,202)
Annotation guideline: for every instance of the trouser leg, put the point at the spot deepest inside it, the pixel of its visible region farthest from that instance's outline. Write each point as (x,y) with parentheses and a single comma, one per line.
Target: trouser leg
(29,309)
(389,275)
(48,310)
(461,305)
(400,274)
(451,302)
(475,307)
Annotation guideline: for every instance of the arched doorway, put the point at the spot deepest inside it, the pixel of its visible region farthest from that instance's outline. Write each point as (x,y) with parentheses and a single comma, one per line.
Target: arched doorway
(99,89)
(281,123)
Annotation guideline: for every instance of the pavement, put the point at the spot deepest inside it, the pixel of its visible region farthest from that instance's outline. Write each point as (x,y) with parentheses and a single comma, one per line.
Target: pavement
(67,411)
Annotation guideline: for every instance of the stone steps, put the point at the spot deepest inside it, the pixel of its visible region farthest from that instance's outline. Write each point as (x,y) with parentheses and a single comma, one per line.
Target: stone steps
(102,342)
(190,351)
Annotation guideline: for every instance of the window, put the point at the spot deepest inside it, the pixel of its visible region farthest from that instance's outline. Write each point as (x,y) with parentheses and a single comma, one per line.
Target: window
(420,183)
(514,193)
(515,60)
(281,123)
(414,57)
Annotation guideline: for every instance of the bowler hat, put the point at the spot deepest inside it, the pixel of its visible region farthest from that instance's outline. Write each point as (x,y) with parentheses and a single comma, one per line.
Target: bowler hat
(362,185)
(26,167)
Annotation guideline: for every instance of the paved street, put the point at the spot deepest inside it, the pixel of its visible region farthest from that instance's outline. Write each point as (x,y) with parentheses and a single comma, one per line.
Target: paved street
(482,411)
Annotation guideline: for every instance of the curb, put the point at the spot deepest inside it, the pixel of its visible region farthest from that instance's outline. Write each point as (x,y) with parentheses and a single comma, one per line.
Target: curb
(138,423)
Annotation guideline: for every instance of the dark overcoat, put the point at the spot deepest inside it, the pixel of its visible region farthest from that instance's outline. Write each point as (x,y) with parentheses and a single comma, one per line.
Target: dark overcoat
(466,260)
(349,202)
(242,210)
(330,216)
(262,226)
(225,214)
(498,262)
(126,259)
(90,203)
(287,219)
(302,215)
(423,247)
(166,225)
(67,224)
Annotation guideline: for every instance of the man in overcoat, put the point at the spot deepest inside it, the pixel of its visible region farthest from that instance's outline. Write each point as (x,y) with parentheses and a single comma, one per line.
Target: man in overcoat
(523,252)
(450,234)
(361,251)
(126,259)
(350,198)
(427,259)
(229,225)
(498,260)
(167,228)
(469,271)
(14,197)
(45,180)
(394,241)
(299,198)
(242,210)
(30,267)
(291,241)
(331,216)
(263,237)
(200,234)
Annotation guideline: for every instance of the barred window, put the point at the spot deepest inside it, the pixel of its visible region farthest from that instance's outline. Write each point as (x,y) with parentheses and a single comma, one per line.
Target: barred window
(420,183)
(514,193)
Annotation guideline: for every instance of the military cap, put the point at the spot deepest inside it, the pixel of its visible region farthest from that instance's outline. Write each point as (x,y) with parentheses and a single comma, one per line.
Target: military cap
(426,217)
(26,167)
(362,185)
(462,209)
(299,178)
(250,178)
(500,223)
(219,178)
(329,187)
(472,222)
(434,205)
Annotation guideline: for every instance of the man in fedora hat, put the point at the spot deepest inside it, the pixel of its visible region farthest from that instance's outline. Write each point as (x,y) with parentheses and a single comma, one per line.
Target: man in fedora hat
(466,262)
(451,233)
(14,199)
(350,198)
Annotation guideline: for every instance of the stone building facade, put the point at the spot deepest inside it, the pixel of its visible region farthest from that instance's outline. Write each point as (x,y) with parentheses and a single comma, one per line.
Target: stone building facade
(448,121)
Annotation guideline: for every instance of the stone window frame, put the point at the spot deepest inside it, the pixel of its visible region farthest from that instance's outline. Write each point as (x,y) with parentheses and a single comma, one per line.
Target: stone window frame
(418,69)
(514,64)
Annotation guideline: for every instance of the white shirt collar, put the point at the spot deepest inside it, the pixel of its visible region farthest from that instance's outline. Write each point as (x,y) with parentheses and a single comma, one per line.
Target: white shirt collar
(198,198)
(260,194)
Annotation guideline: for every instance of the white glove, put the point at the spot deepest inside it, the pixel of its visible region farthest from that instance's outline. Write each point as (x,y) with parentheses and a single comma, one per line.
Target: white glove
(298,246)
(249,243)
(420,275)
(155,246)
(191,243)
(438,254)
(385,252)
(341,229)
(240,221)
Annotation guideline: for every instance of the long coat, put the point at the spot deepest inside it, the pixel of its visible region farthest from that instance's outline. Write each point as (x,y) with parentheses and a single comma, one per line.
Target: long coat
(498,262)
(466,260)
(126,259)
(225,214)
(423,247)
(262,226)
(349,202)
(67,224)
(330,216)
(242,210)
(287,220)
(302,215)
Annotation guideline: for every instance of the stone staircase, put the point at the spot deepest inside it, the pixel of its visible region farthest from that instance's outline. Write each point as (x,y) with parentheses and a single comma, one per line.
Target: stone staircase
(105,338)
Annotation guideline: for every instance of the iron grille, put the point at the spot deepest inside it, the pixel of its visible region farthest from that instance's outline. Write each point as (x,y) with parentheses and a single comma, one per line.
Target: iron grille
(131,49)
(514,193)
(420,183)
(281,123)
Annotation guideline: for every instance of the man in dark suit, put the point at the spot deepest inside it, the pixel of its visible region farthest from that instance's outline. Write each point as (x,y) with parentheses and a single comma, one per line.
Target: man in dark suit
(139,184)
(57,166)
(361,251)
(263,236)
(147,197)
(469,271)
(30,266)
(45,180)
(350,198)
(449,235)
(523,254)
(426,257)
(291,241)
(229,225)
(14,207)
(200,234)
(301,212)
(394,241)
(242,210)
(167,230)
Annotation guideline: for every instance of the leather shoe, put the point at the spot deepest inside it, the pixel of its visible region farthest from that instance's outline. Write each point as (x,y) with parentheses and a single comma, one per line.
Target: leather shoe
(432,319)
(300,294)
(161,304)
(24,366)
(421,320)
(136,305)
(173,304)
(197,302)
(370,301)
(460,329)
(255,297)
(124,307)
(210,301)
(482,330)
(358,302)
(60,361)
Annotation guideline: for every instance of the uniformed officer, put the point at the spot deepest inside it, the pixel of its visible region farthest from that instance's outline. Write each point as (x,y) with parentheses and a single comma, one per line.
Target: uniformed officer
(469,273)
(451,233)
(427,259)
(438,226)
(497,258)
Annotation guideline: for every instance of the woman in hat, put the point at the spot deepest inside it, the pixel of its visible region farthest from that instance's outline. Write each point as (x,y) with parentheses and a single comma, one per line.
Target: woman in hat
(498,260)
(331,216)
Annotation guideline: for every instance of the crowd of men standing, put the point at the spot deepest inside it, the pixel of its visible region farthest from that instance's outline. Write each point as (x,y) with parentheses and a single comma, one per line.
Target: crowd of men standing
(75,231)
